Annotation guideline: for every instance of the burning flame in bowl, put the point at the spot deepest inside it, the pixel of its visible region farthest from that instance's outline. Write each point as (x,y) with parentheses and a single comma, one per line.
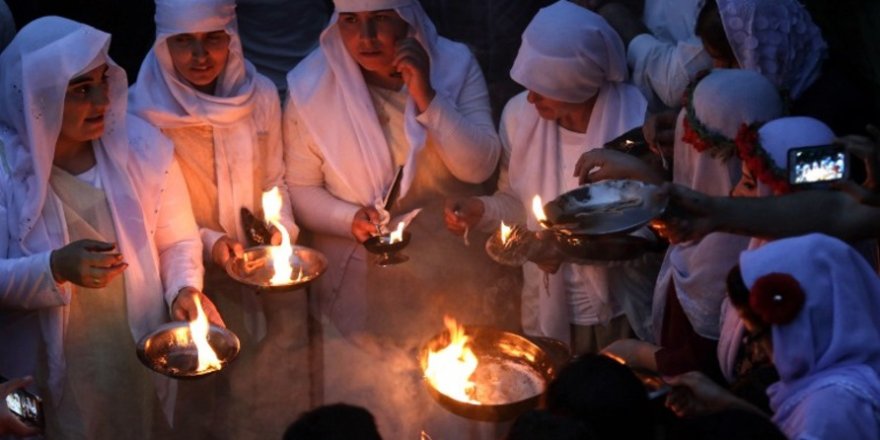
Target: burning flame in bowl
(505,233)
(280,254)
(198,330)
(396,235)
(450,368)
(538,210)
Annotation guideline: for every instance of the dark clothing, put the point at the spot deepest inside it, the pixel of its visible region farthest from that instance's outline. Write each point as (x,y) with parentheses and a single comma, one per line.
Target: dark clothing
(683,349)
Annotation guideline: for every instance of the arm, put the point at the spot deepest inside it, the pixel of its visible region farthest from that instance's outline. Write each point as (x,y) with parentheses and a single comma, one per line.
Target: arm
(463,130)
(272,154)
(317,209)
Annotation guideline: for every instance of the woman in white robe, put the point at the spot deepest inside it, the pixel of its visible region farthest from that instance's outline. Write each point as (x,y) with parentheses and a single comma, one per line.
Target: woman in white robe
(96,238)
(224,119)
(574,67)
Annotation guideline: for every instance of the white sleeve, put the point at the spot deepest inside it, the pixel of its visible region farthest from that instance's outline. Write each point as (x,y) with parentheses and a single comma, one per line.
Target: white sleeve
(463,129)
(177,238)
(504,205)
(317,209)
(666,68)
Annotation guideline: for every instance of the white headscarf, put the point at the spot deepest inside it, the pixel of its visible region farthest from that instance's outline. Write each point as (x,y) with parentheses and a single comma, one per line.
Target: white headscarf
(776,38)
(722,102)
(834,341)
(333,102)
(34,74)
(165,99)
(568,54)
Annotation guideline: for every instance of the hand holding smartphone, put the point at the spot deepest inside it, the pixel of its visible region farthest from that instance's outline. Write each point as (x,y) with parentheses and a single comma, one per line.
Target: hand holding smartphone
(25,406)
(817,166)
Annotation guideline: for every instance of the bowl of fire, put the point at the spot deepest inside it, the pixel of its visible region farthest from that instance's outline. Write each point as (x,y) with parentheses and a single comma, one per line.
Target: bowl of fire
(503,376)
(256,268)
(173,351)
(388,247)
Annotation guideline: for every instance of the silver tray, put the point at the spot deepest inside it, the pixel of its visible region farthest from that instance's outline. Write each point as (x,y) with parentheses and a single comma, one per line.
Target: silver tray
(606,207)
(169,350)
(255,270)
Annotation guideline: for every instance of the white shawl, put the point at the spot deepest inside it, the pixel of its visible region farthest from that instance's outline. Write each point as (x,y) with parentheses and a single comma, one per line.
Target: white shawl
(568,54)
(334,104)
(166,100)
(34,73)
(723,101)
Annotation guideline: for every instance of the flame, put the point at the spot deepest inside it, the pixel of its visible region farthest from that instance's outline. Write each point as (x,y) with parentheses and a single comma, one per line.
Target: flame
(281,253)
(198,330)
(538,209)
(505,233)
(397,235)
(450,369)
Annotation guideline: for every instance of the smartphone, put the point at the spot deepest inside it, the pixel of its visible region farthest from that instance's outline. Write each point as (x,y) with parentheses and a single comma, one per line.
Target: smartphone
(26,406)
(815,166)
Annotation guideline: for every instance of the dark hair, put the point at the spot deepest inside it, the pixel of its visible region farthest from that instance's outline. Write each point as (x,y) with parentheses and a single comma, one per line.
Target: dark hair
(710,28)
(541,425)
(737,289)
(605,395)
(334,422)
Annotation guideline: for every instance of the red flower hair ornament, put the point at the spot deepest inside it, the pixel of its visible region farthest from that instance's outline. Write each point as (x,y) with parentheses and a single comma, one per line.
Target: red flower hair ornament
(777,298)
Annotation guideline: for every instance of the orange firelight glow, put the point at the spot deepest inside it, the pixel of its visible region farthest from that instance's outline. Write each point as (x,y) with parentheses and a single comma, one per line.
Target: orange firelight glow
(538,209)
(397,235)
(449,369)
(198,330)
(505,233)
(280,254)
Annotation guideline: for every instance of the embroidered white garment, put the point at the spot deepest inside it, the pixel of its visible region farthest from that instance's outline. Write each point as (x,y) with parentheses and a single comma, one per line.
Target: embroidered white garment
(34,72)
(723,101)
(568,54)
(334,104)
(776,38)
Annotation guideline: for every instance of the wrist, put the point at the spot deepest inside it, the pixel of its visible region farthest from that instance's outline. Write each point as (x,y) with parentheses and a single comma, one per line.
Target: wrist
(53,267)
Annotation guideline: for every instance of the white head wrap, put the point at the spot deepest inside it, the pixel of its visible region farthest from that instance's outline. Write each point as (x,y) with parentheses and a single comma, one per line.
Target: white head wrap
(586,59)
(34,74)
(776,38)
(165,99)
(722,101)
(329,82)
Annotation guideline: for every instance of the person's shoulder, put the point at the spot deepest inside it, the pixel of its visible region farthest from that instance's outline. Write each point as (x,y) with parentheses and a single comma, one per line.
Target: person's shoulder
(267,93)
(515,106)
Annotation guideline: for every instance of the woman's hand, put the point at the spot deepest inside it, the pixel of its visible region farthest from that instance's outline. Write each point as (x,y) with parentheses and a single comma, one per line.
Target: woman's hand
(463,214)
(868,150)
(412,61)
(224,249)
(694,394)
(690,215)
(87,263)
(659,130)
(365,223)
(184,307)
(611,164)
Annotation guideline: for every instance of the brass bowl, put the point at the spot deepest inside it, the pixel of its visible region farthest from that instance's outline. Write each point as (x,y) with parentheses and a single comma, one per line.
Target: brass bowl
(169,350)
(254,268)
(492,344)
(388,252)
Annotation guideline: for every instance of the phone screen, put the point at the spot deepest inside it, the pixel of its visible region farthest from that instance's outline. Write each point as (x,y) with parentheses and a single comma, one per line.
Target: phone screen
(26,406)
(810,165)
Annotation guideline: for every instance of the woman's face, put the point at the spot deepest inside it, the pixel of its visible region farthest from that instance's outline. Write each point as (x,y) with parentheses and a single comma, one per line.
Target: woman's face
(199,57)
(85,105)
(370,38)
(747,186)
(552,109)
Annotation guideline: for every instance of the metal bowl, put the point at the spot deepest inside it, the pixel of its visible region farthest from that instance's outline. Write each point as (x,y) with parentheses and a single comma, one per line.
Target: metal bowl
(388,252)
(255,269)
(169,349)
(490,344)
(606,207)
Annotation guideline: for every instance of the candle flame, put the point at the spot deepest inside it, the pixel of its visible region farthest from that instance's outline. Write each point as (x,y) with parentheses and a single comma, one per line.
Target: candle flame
(397,235)
(198,330)
(449,369)
(280,254)
(538,209)
(505,233)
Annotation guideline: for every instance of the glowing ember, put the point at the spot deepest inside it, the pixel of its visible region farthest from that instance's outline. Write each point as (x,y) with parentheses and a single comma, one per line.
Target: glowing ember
(505,233)
(397,235)
(538,209)
(198,330)
(280,254)
(450,369)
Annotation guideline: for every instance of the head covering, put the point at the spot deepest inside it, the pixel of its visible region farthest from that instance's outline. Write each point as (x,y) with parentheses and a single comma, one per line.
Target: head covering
(769,164)
(835,338)
(165,99)
(586,59)
(776,38)
(334,103)
(721,103)
(34,73)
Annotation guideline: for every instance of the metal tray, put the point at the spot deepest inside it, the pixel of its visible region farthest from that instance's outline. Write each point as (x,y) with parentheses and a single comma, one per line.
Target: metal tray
(169,350)
(606,207)
(253,268)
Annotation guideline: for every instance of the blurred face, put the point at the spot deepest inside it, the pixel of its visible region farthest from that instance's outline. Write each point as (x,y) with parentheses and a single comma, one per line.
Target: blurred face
(370,38)
(85,105)
(747,186)
(199,57)
(552,109)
